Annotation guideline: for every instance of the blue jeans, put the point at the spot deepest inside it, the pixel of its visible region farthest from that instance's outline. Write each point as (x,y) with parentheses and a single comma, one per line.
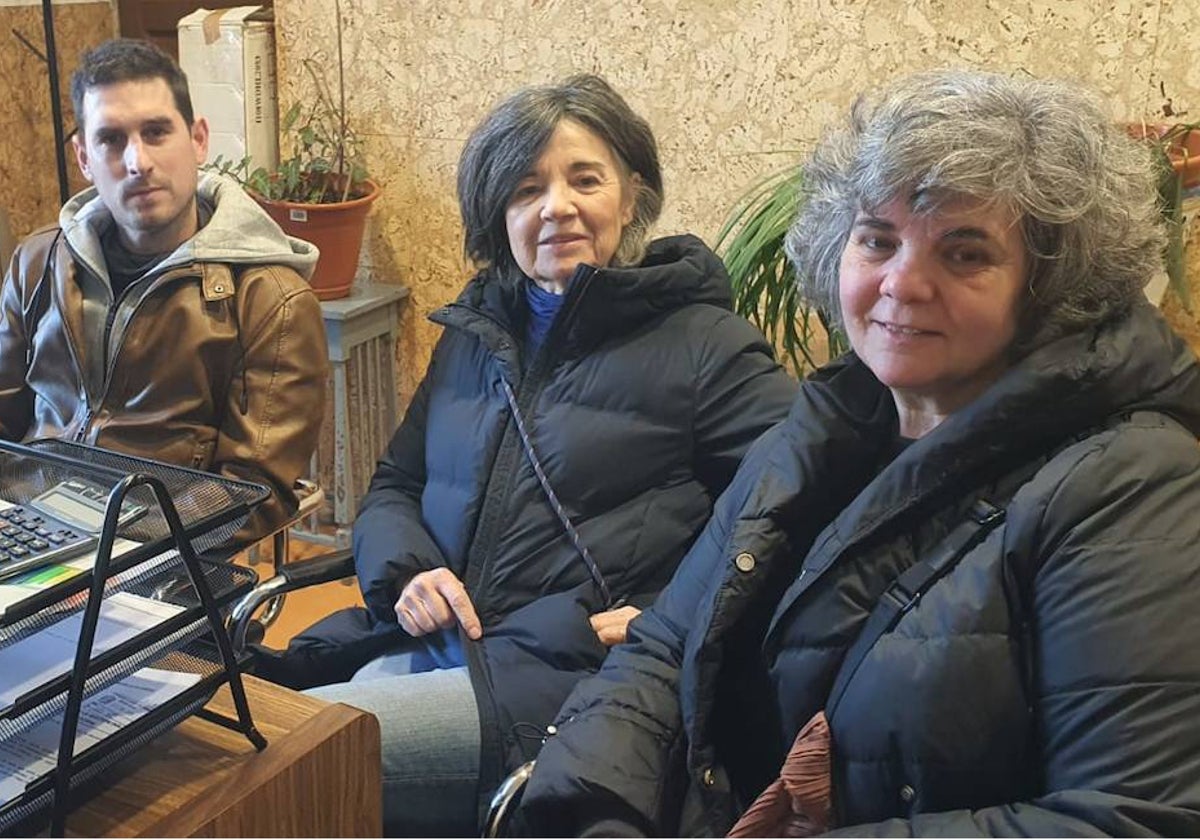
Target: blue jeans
(429,725)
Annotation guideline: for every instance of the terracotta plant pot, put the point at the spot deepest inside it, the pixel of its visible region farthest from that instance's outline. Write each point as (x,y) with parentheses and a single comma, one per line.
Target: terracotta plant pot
(1183,148)
(337,231)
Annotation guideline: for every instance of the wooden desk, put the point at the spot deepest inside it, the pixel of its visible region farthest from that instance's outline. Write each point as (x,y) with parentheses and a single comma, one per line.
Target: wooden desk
(318,776)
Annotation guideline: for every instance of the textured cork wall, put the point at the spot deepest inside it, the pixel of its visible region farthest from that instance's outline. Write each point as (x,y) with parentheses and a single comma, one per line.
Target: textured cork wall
(732,89)
(28,177)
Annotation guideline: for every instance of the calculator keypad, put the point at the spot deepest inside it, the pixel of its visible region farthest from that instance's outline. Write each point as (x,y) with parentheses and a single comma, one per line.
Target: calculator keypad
(26,534)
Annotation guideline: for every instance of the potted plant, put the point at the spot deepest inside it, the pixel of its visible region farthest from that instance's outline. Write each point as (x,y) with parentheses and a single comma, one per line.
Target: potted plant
(320,192)
(764,281)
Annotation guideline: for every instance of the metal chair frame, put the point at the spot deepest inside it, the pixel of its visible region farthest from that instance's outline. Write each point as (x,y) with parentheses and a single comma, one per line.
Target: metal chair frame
(505,799)
(269,596)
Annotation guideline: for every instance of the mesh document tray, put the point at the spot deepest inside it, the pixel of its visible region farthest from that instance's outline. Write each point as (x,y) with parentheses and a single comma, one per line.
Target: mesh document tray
(168,584)
(29,813)
(211,508)
(185,512)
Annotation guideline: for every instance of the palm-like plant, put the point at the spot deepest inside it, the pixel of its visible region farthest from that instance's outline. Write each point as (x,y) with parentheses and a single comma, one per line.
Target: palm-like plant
(1174,162)
(764,281)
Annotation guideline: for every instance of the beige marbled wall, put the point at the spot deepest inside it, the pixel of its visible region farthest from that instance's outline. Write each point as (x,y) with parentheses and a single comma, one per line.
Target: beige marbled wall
(28,177)
(733,88)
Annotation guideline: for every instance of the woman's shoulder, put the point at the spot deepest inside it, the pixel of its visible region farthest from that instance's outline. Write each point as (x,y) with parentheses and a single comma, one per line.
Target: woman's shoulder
(681,269)
(1138,444)
(1129,476)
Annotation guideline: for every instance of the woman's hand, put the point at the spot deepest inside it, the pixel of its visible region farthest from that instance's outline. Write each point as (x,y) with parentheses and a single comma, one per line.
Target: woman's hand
(610,625)
(436,600)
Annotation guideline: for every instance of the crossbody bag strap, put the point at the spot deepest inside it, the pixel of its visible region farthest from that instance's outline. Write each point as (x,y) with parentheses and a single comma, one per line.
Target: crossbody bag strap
(555,504)
(907,589)
(983,517)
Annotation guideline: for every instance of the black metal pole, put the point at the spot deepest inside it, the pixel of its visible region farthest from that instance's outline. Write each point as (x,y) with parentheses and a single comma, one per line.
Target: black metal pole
(60,141)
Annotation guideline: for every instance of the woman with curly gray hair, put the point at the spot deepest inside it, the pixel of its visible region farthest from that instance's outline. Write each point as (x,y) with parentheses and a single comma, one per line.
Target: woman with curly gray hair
(954,592)
(1081,193)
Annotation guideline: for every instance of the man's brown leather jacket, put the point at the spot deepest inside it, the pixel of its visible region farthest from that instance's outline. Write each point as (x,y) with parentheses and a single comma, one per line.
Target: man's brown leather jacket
(218,367)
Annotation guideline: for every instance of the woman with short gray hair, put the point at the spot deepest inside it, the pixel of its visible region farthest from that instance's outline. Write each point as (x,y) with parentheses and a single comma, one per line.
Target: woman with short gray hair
(954,593)
(502,149)
(592,393)
(1083,193)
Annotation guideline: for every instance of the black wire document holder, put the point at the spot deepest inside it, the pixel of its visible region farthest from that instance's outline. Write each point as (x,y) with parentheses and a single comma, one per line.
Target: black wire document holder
(174,553)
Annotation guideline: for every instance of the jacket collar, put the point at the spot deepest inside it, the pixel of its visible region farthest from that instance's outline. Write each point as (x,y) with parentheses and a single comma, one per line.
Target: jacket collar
(601,303)
(677,271)
(1064,389)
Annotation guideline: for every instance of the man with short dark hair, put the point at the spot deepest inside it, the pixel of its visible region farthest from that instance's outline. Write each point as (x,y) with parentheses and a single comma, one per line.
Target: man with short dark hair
(165,315)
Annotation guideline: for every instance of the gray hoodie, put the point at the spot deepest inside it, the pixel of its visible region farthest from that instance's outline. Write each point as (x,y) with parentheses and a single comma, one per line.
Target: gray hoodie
(237,232)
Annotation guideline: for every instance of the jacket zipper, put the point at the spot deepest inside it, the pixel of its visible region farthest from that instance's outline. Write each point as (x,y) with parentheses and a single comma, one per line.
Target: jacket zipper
(492,749)
(503,470)
(510,451)
(109,320)
(111,365)
(72,348)
(81,434)
(491,758)
(471,576)
(155,285)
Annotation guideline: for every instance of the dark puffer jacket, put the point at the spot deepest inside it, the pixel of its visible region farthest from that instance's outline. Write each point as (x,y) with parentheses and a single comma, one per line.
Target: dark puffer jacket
(641,403)
(1046,685)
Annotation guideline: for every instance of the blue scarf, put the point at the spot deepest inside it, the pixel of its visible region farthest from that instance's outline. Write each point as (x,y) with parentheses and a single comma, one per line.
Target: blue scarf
(543,307)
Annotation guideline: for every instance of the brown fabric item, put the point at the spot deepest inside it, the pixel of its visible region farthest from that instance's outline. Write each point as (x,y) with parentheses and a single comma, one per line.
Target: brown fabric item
(799,803)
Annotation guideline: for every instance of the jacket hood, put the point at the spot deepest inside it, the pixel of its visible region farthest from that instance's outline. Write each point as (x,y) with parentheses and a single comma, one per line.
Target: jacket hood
(238,232)
(677,271)
(1134,362)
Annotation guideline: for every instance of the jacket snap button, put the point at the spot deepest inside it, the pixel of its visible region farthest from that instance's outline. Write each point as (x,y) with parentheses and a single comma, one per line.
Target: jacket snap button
(708,777)
(744,562)
(218,288)
(907,793)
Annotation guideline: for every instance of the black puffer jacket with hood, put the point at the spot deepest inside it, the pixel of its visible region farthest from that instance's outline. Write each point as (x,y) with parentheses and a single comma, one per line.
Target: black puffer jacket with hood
(641,402)
(1046,685)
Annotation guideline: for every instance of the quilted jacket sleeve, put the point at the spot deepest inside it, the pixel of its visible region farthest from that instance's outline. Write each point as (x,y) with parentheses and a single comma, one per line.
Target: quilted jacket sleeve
(741,391)
(1114,606)
(391,543)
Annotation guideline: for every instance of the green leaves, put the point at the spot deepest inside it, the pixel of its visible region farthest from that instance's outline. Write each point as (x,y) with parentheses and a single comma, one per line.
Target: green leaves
(289,119)
(1170,205)
(764,281)
(1170,147)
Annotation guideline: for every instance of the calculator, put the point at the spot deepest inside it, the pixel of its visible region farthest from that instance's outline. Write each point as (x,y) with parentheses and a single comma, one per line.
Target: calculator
(61,523)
